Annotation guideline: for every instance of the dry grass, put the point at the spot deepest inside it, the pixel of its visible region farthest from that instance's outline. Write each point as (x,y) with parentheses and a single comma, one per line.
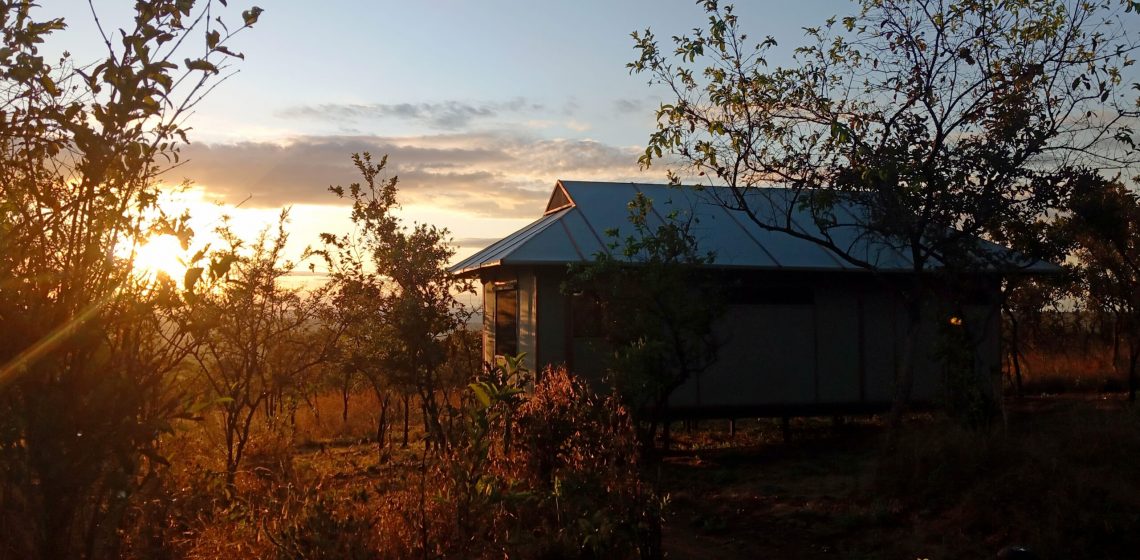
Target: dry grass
(318,489)
(1069,371)
(758,433)
(322,420)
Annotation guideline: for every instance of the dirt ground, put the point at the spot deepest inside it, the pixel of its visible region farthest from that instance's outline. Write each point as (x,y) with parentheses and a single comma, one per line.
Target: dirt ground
(755,496)
(769,499)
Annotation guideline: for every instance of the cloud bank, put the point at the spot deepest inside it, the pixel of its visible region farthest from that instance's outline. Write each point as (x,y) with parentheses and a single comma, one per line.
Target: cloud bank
(444,115)
(500,174)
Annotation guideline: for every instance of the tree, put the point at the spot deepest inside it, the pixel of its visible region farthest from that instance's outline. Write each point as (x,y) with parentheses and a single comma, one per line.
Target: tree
(657,308)
(85,351)
(923,125)
(1104,221)
(360,289)
(255,338)
(417,306)
(358,301)
(1027,298)
(1023,310)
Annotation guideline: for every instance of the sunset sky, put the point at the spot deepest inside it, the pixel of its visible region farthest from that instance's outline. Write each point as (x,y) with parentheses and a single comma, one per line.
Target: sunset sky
(481,105)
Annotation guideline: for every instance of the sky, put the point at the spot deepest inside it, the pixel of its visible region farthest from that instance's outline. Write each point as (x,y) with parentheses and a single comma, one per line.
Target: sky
(480,105)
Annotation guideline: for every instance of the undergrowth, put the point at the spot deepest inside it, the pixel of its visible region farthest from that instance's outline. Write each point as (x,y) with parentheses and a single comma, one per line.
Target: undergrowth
(548,473)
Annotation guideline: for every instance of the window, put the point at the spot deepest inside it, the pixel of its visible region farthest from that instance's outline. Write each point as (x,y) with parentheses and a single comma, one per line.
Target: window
(506,322)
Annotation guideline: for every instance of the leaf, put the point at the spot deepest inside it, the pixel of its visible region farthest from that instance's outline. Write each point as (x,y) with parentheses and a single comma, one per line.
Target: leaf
(192,276)
(198,255)
(201,64)
(49,86)
(212,39)
(250,16)
(481,393)
(220,266)
(225,50)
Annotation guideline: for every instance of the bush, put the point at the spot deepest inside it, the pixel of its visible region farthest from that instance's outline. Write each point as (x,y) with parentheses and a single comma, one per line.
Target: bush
(578,454)
(550,473)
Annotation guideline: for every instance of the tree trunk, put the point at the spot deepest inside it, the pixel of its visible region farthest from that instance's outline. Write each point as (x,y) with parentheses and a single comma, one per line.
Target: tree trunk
(405,444)
(1116,362)
(1133,380)
(230,427)
(430,411)
(428,431)
(344,393)
(1015,352)
(904,373)
(382,427)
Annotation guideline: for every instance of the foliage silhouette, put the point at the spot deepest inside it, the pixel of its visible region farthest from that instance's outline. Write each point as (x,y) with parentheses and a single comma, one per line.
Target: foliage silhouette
(938,122)
(88,347)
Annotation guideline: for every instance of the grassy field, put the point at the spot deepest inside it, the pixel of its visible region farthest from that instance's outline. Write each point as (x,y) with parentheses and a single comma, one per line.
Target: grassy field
(1059,476)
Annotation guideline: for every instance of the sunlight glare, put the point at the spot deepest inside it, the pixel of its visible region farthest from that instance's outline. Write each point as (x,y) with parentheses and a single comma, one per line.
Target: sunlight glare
(162,254)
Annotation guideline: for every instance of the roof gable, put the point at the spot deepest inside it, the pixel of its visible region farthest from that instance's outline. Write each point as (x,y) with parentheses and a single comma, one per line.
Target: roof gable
(559,199)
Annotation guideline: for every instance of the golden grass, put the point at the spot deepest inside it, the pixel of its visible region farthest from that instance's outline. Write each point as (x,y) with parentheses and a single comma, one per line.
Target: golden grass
(1045,371)
(322,420)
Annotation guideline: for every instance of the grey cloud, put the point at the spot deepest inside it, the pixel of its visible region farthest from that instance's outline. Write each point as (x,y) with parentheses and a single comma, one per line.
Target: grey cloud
(570,107)
(445,115)
(492,174)
(565,157)
(627,106)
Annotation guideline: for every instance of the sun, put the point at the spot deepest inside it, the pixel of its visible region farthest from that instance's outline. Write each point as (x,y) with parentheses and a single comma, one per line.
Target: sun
(161,254)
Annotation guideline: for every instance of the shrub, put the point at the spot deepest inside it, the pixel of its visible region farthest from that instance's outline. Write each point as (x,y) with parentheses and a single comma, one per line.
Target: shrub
(578,456)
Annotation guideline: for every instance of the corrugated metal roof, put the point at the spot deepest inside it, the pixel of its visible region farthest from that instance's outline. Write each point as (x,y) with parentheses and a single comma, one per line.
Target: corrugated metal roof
(575,232)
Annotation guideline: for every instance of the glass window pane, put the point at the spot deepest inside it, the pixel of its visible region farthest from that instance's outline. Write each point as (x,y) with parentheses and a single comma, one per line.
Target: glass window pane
(506,322)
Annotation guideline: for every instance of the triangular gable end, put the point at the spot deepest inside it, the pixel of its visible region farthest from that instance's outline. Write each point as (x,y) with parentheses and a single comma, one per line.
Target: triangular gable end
(559,199)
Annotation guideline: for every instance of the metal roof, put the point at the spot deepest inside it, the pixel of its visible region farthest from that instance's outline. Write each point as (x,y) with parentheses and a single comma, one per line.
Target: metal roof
(580,212)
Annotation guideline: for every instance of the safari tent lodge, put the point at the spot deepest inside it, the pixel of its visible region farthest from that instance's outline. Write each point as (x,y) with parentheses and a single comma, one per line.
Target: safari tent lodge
(803,332)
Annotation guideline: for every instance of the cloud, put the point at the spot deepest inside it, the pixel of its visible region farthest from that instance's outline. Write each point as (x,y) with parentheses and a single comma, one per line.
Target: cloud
(500,174)
(577,126)
(475,242)
(570,107)
(444,115)
(627,106)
